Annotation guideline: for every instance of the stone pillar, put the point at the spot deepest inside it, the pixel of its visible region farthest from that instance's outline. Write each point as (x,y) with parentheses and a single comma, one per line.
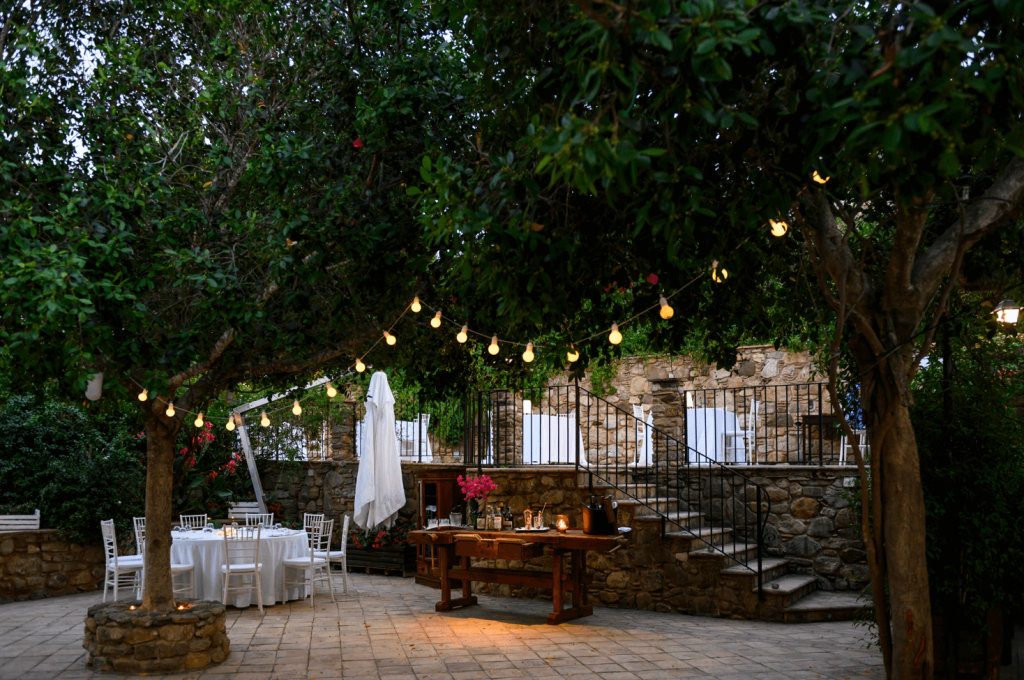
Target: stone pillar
(668,418)
(508,427)
(343,430)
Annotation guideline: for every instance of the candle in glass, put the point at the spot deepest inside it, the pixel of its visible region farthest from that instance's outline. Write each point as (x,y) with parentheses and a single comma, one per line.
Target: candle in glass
(561,523)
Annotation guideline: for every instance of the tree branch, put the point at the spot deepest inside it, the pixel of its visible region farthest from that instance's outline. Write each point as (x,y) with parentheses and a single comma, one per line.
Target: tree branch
(202,367)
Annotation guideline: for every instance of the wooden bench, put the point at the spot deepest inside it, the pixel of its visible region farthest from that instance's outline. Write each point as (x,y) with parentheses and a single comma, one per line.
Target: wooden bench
(19,522)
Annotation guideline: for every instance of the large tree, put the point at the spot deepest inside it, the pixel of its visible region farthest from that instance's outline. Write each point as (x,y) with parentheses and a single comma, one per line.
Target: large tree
(661,136)
(194,197)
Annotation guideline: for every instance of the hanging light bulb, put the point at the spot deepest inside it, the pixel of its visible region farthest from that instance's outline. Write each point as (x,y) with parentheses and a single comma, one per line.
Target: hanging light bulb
(462,336)
(615,337)
(493,347)
(331,392)
(573,354)
(143,395)
(779,227)
(231,424)
(716,275)
(360,366)
(436,321)
(170,410)
(416,306)
(818,178)
(528,354)
(199,420)
(390,339)
(666,309)
(264,420)
(296,409)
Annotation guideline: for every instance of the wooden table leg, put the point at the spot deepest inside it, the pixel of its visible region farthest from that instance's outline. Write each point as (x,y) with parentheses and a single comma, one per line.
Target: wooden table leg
(448,603)
(580,608)
(445,605)
(557,594)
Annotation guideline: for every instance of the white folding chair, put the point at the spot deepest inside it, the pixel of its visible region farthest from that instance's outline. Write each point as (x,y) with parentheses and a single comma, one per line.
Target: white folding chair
(252,519)
(241,559)
(309,518)
(845,447)
(739,443)
(118,566)
(185,569)
(192,521)
(313,569)
(338,556)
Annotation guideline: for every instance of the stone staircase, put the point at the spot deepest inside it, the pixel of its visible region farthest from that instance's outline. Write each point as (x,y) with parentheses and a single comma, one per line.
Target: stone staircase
(721,569)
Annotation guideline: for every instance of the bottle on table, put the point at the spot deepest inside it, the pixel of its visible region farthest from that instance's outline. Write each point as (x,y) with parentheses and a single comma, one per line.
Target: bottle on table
(499,517)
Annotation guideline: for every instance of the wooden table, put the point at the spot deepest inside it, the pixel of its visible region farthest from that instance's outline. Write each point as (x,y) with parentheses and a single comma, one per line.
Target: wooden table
(456,546)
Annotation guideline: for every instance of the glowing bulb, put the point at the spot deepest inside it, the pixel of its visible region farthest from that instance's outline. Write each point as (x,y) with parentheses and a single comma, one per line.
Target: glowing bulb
(170,409)
(331,392)
(1007,311)
(360,366)
(462,336)
(573,354)
(296,409)
(818,178)
(779,227)
(666,309)
(615,337)
(231,424)
(716,275)
(143,395)
(436,321)
(493,347)
(264,420)
(528,354)
(389,338)
(199,420)
(416,306)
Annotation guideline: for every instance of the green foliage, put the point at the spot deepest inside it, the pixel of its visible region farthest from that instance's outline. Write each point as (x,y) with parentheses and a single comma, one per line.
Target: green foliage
(379,537)
(973,475)
(602,373)
(52,457)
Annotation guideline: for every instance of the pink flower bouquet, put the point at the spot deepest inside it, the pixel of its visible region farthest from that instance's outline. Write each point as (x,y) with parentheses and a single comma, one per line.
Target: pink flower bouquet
(478,487)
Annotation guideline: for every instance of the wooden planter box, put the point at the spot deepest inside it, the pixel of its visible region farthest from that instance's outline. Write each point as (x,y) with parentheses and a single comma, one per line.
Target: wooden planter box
(389,560)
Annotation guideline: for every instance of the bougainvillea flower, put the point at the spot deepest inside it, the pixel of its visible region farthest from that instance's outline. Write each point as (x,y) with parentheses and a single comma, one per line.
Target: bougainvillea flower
(358,143)
(652,278)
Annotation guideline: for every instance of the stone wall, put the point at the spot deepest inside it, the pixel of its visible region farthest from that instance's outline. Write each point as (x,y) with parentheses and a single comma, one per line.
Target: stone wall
(39,564)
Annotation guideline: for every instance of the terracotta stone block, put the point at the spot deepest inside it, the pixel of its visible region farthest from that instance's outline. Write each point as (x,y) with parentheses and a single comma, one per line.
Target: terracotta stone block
(139,635)
(198,660)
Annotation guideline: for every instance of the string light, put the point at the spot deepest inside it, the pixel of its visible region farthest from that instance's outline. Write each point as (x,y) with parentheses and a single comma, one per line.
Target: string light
(462,336)
(231,424)
(199,420)
(436,321)
(264,420)
(779,227)
(493,347)
(389,338)
(818,178)
(360,366)
(716,275)
(170,410)
(296,409)
(528,354)
(666,309)
(331,392)
(573,354)
(615,337)
(143,395)
(415,306)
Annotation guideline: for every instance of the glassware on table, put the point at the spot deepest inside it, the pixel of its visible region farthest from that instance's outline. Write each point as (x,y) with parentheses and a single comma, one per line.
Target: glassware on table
(455,518)
(431,523)
(538,520)
(175,530)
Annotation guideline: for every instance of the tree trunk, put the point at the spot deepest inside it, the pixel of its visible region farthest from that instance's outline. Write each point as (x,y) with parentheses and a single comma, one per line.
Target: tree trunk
(159,595)
(893,441)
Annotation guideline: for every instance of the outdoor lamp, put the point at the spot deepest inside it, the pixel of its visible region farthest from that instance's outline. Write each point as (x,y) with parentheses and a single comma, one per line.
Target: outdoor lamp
(360,366)
(666,309)
(716,275)
(264,420)
(573,354)
(415,306)
(199,420)
(170,409)
(462,336)
(528,354)
(436,321)
(231,424)
(1007,311)
(779,227)
(331,392)
(493,347)
(389,338)
(818,178)
(615,337)
(143,395)
(296,409)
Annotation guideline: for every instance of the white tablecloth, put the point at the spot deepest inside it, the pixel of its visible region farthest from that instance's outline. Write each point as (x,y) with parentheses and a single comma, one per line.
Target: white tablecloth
(206,552)
(704,430)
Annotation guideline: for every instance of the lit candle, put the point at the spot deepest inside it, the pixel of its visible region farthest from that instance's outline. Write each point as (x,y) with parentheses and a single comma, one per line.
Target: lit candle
(561,523)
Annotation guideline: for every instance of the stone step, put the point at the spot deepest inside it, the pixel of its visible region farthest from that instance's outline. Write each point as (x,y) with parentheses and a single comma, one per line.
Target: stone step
(827,606)
(785,591)
(771,568)
(736,553)
(645,506)
(697,537)
(623,492)
(681,518)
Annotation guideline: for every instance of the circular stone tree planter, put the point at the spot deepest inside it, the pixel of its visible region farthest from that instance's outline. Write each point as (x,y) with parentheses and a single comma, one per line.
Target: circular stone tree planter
(121,638)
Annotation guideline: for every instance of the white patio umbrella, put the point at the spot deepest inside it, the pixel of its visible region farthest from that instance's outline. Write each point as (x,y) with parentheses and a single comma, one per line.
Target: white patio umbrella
(379,490)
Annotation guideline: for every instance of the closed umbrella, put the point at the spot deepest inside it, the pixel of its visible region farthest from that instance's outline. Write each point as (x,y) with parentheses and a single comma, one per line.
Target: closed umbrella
(379,490)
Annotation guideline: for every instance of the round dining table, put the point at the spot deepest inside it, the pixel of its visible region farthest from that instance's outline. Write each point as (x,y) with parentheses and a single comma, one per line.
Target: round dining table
(206,551)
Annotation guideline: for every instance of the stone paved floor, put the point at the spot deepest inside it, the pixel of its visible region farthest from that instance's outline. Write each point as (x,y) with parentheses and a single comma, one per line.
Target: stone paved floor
(386,629)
